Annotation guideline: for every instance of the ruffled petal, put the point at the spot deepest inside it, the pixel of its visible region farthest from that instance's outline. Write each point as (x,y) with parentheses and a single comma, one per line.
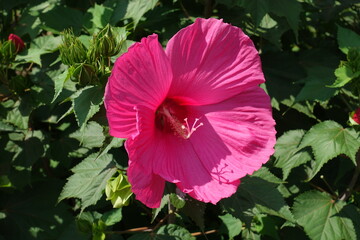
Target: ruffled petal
(237,136)
(142,150)
(142,76)
(211,62)
(173,159)
(147,187)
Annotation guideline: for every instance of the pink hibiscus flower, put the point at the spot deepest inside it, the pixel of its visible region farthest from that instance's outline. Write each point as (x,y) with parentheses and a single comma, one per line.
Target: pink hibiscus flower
(18,42)
(194,114)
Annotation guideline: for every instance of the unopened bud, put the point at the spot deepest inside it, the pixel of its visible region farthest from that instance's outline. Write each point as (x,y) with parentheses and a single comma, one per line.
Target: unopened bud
(106,43)
(72,50)
(17,41)
(354,118)
(118,190)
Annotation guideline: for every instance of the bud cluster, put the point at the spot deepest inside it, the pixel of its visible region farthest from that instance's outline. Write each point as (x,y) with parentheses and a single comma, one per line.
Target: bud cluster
(91,65)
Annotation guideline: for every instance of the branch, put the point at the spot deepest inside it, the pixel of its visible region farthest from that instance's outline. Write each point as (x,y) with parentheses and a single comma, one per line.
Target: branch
(354,179)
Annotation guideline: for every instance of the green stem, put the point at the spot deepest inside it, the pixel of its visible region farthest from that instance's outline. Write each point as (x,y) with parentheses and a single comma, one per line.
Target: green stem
(353,180)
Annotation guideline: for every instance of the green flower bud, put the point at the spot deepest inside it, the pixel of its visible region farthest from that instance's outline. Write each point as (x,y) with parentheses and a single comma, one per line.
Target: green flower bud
(118,190)
(7,51)
(72,50)
(106,43)
(84,74)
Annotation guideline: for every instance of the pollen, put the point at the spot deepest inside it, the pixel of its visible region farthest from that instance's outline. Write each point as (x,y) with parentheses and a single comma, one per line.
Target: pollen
(168,119)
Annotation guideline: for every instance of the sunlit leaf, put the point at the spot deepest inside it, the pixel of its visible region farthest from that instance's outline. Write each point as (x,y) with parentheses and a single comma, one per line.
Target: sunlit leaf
(318,213)
(328,140)
(232,224)
(89,179)
(87,102)
(90,136)
(287,152)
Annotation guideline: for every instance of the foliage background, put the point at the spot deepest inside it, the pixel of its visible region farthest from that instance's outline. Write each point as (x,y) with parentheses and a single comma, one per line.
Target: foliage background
(56,155)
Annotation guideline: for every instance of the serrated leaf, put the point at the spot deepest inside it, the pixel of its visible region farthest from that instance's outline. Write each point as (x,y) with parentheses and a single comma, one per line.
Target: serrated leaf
(114,143)
(38,47)
(318,213)
(347,39)
(89,179)
(315,84)
(112,217)
(344,75)
(233,224)
(265,174)
(290,9)
(86,103)
(133,9)
(156,211)
(257,9)
(97,17)
(328,140)
(175,231)
(59,82)
(90,136)
(287,152)
(70,18)
(253,192)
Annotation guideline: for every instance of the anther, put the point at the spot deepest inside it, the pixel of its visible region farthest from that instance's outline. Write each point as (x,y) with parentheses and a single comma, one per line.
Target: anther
(190,131)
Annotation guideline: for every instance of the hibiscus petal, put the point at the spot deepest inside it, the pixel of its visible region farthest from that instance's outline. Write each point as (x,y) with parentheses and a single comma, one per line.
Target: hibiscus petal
(237,136)
(211,62)
(147,187)
(142,76)
(173,159)
(142,149)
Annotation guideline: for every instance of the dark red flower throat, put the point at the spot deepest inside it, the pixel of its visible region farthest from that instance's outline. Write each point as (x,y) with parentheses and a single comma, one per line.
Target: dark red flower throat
(171,117)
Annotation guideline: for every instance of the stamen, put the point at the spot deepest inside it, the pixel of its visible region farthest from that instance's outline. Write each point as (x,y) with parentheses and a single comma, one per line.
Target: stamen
(190,131)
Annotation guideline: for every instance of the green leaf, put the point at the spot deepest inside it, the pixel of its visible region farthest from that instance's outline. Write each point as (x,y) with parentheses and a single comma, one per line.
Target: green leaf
(97,17)
(257,9)
(87,102)
(175,231)
(38,47)
(156,211)
(59,82)
(70,18)
(232,224)
(318,213)
(315,84)
(177,201)
(347,39)
(290,9)
(287,152)
(112,217)
(90,136)
(89,179)
(255,192)
(133,9)
(114,143)
(265,174)
(344,75)
(33,213)
(30,151)
(328,140)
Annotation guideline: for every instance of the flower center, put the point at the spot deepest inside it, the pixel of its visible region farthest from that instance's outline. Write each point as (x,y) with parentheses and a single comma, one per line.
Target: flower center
(170,117)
